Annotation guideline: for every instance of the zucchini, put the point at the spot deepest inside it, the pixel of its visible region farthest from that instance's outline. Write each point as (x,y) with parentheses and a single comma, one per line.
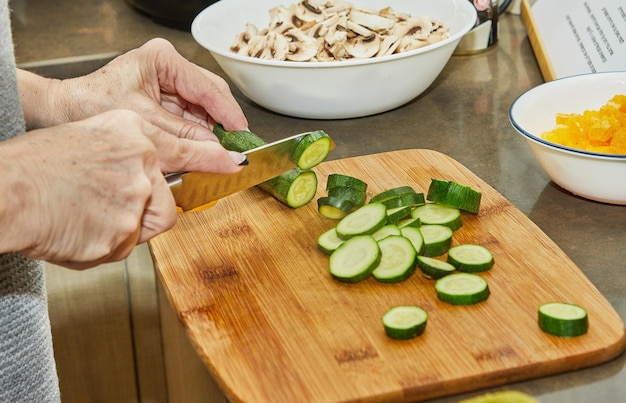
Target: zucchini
(470,258)
(406,199)
(385,231)
(454,194)
(356,196)
(437,239)
(334,208)
(404,322)
(563,319)
(391,193)
(294,188)
(397,261)
(433,213)
(312,150)
(409,222)
(462,289)
(355,259)
(434,268)
(395,215)
(328,241)
(415,236)
(340,180)
(363,221)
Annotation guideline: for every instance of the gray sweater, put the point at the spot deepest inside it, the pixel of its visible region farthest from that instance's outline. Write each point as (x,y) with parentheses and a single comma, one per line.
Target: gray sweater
(27,368)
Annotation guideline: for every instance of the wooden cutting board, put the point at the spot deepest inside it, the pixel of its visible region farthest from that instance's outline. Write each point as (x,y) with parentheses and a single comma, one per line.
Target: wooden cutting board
(255,296)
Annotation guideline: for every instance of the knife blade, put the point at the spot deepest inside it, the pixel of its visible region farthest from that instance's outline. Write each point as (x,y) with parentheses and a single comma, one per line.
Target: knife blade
(193,190)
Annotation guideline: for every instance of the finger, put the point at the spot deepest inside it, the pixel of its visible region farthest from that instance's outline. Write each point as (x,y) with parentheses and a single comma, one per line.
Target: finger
(160,212)
(198,86)
(176,154)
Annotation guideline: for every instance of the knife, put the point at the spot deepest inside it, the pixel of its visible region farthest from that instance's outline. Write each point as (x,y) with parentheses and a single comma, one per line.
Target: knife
(196,190)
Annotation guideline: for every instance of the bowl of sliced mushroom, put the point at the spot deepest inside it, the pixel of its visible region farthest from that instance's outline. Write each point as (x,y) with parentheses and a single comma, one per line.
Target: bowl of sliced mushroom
(332,59)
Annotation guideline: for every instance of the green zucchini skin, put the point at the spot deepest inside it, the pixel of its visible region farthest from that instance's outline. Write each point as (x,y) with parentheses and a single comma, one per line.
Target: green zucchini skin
(287,188)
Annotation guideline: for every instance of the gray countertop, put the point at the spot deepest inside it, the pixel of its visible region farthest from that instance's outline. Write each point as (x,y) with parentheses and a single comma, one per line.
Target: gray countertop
(463,114)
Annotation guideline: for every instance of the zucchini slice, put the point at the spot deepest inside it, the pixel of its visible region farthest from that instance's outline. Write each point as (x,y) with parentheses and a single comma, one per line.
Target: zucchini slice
(312,149)
(356,196)
(394,215)
(437,239)
(391,193)
(355,259)
(470,258)
(434,268)
(404,322)
(414,235)
(340,180)
(363,221)
(433,213)
(462,289)
(563,319)
(454,194)
(334,208)
(403,200)
(294,188)
(385,231)
(328,241)
(397,261)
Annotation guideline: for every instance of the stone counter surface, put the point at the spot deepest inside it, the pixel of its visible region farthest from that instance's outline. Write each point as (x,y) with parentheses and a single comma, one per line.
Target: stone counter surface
(464,114)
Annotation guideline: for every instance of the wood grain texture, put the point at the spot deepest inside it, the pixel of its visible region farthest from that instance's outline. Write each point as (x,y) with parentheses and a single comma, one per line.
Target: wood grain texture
(254,293)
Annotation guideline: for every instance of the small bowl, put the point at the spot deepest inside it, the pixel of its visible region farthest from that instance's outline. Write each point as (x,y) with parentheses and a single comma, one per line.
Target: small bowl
(334,89)
(595,176)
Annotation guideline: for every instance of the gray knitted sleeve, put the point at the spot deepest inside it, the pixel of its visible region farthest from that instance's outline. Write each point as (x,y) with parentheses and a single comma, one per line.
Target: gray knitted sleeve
(27,368)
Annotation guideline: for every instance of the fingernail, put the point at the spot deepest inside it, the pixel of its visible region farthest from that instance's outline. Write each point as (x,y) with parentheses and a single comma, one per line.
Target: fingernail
(238,158)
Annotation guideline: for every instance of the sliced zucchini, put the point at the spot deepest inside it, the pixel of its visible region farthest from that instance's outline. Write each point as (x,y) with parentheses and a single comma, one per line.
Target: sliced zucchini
(409,222)
(563,319)
(341,180)
(397,261)
(462,289)
(394,215)
(334,208)
(355,259)
(470,258)
(437,239)
(391,193)
(356,196)
(414,235)
(312,149)
(405,322)
(328,241)
(454,194)
(385,231)
(433,213)
(240,140)
(434,268)
(294,188)
(406,199)
(363,221)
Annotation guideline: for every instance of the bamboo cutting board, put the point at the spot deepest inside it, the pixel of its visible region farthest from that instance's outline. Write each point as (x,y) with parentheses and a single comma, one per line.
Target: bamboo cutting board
(257,301)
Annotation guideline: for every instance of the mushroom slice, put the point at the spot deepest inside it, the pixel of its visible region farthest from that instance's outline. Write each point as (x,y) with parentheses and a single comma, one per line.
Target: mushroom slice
(420,27)
(301,47)
(281,19)
(358,29)
(388,45)
(363,47)
(370,20)
(307,11)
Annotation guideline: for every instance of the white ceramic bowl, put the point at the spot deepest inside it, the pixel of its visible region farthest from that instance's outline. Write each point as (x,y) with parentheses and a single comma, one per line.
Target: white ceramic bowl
(330,90)
(595,176)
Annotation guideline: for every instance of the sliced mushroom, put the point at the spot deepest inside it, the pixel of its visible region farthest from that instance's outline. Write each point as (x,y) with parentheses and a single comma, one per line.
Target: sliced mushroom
(363,47)
(302,48)
(371,20)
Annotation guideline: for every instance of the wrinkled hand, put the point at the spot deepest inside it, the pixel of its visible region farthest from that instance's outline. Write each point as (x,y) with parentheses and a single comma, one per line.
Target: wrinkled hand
(91,190)
(153,80)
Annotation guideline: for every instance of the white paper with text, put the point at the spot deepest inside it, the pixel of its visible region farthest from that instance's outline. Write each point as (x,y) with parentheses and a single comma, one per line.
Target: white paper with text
(582,36)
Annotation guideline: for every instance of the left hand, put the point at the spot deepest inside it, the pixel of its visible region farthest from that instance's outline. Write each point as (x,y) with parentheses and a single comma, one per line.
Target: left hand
(154,80)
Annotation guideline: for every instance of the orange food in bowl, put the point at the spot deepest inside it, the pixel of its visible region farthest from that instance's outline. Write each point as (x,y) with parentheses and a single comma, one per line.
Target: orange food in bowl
(601,131)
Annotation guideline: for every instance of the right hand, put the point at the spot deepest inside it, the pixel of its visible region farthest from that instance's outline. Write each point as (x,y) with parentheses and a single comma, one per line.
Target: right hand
(94,189)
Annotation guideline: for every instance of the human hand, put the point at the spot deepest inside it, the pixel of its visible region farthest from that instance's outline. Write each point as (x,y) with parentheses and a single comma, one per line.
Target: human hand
(88,192)
(153,80)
